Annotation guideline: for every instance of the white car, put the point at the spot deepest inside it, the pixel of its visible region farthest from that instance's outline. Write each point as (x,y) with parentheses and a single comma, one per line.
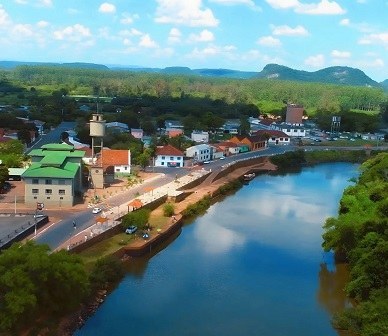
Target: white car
(206,162)
(222,158)
(96,210)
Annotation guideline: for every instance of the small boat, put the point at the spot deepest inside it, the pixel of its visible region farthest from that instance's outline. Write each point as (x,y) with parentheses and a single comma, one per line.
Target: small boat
(248,177)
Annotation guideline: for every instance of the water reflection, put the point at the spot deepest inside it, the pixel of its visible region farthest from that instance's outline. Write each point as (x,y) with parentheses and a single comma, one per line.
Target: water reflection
(252,265)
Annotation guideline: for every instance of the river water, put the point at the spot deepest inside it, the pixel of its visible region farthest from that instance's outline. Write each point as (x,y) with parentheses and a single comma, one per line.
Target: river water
(252,265)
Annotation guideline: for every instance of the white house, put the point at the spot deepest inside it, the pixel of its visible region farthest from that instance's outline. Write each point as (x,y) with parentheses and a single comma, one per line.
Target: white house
(168,156)
(200,153)
(200,136)
(275,137)
(290,130)
(115,160)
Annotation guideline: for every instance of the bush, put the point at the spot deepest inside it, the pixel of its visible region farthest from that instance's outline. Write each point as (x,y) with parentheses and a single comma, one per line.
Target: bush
(168,209)
(138,218)
(197,208)
(106,270)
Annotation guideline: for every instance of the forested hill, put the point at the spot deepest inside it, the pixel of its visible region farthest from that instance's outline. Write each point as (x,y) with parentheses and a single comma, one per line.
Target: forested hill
(332,75)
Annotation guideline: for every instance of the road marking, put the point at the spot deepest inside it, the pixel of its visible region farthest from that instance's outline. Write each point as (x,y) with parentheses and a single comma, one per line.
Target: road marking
(46,228)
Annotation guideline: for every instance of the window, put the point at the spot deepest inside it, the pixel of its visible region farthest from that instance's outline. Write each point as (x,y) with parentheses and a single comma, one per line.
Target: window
(117,169)
(62,191)
(125,168)
(48,182)
(295,130)
(171,158)
(35,191)
(163,157)
(61,198)
(61,182)
(35,197)
(48,191)
(35,181)
(162,163)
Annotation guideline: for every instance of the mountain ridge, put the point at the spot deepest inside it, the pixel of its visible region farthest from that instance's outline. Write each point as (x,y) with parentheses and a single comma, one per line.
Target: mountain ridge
(341,75)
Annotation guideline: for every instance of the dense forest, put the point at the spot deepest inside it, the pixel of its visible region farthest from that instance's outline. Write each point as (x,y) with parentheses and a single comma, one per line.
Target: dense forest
(258,92)
(359,235)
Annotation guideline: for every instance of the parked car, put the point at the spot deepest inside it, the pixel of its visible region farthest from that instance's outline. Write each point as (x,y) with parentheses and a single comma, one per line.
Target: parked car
(206,162)
(96,210)
(131,229)
(222,158)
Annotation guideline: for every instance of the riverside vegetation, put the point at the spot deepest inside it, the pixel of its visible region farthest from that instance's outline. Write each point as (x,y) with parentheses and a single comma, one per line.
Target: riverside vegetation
(359,236)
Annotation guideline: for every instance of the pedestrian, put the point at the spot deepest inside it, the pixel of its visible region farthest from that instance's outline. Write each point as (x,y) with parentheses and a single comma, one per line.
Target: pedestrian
(86,237)
(74,225)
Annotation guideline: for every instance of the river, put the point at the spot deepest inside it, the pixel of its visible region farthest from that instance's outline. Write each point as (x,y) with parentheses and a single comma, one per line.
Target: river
(252,265)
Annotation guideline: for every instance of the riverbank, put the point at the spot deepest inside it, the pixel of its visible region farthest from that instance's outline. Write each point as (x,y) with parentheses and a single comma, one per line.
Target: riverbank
(163,229)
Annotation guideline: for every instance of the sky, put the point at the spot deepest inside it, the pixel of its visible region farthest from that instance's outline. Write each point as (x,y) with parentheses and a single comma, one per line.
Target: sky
(233,34)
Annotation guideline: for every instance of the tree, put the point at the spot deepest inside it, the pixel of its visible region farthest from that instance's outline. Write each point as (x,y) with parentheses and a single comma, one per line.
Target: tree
(139,218)
(3,174)
(144,159)
(34,282)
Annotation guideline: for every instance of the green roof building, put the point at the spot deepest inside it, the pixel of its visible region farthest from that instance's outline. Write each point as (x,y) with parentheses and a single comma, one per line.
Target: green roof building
(54,176)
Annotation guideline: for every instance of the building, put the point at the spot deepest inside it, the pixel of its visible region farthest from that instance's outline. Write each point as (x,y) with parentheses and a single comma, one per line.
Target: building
(114,162)
(228,147)
(117,127)
(137,133)
(254,142)
(231,126)
(200,136)
(290,130)
(173,132)
(168,156)
(200,153)
(54,176)
(274,137)
(173,124)
(294,114)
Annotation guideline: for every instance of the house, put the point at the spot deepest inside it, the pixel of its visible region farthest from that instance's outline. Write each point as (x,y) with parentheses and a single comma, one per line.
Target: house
(231,126)
(200,136)
(168,156)
(114,161)
(117,127)
(274,137)
(266,123)
(290,130)
(217,152)
(200,153)
(54,176)
(137,133)
(173,124)
(228,148)
(254,142)
(173,132)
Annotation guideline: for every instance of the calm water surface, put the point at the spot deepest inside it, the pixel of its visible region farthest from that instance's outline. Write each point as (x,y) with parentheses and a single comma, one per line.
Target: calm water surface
(252,265)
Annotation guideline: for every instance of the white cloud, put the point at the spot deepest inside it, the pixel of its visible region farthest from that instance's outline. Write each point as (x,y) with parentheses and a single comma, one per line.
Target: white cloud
(147,42)
(128,18)
(21,2)
(377,38)
(341,54)
(204,36)
(288,31)
(316,61)
(361,1)
(249,3)
(324,7)
(75,33)
(212,50)
(42,24)
(174,36)
(22,30)
(45,3)
(189,13)
(344,22)
(4,17)
(107,8)
(269,41)
(131,32)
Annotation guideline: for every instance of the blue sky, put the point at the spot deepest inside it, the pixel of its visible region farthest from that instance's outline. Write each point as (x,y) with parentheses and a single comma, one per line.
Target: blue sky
(235,34)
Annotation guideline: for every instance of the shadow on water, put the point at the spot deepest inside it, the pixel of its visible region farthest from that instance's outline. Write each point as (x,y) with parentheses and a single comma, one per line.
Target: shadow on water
(137,265)
(331,292)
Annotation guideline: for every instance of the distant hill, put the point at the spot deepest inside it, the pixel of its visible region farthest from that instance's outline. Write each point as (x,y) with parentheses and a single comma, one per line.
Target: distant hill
(332,75)
(384,84)
(80,65)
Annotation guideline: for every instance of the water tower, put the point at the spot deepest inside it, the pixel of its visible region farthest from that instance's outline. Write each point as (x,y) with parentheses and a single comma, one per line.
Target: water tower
(97,133)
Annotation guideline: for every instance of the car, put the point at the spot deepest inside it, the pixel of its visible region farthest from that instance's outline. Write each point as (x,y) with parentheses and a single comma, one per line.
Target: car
(222,158)
(96,210)
(206,162)
(131,229)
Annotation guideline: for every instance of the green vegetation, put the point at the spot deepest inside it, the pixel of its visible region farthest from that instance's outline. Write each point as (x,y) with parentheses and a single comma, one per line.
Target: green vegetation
(35,284)
(138,218)
(105,271)
(198,208)
(359,235)
(11,153)
(230,187)
(168,209)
